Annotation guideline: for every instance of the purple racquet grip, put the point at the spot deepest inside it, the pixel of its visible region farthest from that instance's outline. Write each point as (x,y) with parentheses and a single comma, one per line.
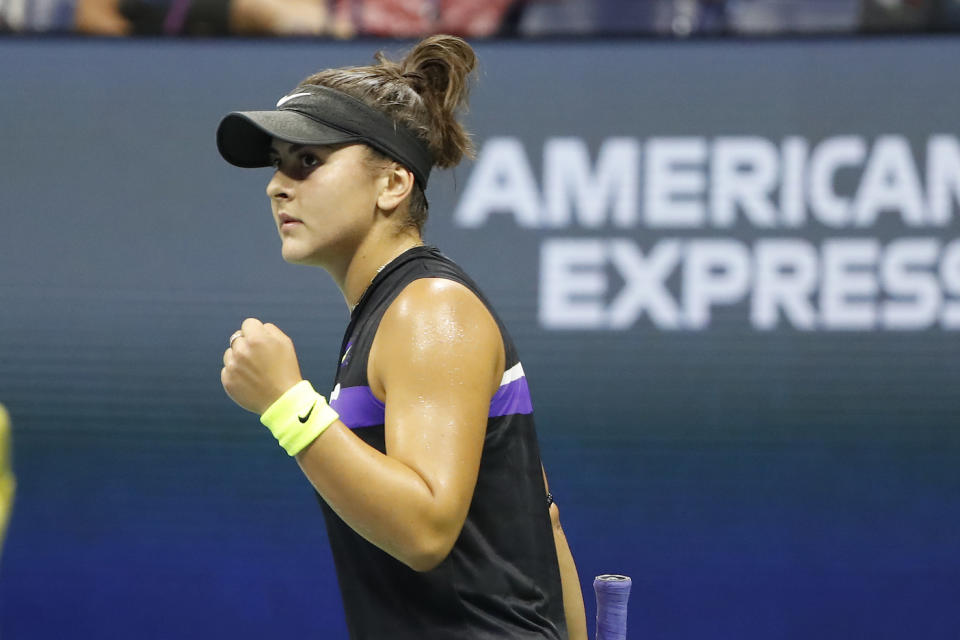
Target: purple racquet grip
(612,591)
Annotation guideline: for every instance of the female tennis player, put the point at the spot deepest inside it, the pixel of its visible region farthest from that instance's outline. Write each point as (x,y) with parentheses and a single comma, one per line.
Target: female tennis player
(425,460)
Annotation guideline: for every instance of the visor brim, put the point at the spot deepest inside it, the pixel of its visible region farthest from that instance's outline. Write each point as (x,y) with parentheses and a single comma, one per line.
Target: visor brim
(244,137)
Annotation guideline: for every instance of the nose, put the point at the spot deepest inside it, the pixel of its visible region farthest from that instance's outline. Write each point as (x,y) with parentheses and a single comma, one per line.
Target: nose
(280,187)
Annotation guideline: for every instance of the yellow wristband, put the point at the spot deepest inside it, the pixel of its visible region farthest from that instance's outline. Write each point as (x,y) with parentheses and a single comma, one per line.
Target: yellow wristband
(298,417)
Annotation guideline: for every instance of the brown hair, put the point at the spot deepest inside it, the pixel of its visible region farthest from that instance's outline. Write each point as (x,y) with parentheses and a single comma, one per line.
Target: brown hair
(424,92)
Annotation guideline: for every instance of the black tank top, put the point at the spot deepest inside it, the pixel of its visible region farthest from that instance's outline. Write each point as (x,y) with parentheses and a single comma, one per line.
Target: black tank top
(501,580)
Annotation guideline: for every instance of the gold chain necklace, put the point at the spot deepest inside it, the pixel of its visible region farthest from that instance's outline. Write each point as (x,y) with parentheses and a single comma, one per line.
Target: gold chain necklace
(376,273)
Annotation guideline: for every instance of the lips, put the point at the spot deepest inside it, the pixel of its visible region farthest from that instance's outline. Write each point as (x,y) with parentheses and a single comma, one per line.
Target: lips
(287,221)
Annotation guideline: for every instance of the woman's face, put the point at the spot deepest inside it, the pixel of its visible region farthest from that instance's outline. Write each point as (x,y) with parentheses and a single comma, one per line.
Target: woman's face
(324,201)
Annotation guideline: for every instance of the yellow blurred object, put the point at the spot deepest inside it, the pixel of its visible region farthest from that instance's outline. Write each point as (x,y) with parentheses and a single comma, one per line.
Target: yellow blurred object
(7,482)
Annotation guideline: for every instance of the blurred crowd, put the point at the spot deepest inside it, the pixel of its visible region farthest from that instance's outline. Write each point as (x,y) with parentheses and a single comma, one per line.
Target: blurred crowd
(475,18)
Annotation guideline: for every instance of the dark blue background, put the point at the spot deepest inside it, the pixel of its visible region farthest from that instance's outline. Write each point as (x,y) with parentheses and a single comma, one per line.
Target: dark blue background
(755,485)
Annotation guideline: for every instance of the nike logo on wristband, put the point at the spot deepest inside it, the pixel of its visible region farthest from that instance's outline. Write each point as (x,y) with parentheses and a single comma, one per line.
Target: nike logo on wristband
(303,419)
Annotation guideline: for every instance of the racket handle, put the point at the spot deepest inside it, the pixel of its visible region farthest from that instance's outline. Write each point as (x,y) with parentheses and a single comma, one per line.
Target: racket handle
(612,591)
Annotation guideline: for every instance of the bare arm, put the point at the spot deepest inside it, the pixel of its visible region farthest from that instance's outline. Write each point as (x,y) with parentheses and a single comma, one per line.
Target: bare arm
(569,578)
(436,362)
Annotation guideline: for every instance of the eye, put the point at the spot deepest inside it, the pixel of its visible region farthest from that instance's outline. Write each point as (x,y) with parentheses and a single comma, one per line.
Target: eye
(308,160)
(274,161)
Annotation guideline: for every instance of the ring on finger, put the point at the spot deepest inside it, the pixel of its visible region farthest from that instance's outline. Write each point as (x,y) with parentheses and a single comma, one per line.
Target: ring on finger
(233,338)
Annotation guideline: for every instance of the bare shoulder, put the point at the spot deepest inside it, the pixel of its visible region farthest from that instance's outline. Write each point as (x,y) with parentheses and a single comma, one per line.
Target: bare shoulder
(428,298)
(436,322)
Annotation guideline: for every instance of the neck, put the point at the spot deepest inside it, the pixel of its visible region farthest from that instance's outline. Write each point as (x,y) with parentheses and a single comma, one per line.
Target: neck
(367,262)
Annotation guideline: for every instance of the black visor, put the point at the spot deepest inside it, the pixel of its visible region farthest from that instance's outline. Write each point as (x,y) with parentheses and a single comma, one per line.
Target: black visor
(315,115)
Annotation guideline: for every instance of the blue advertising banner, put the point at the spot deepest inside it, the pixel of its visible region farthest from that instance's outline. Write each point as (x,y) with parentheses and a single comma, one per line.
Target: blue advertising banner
(732,269)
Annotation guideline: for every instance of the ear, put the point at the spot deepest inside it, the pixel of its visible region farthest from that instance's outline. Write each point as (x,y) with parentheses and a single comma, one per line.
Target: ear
(399,185)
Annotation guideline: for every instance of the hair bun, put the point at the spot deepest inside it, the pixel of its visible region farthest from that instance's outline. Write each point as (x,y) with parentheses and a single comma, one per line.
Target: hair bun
(438,68)
(440,65)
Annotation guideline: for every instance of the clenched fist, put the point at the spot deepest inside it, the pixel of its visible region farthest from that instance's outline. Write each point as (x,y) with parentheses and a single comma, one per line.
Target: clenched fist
(259,366)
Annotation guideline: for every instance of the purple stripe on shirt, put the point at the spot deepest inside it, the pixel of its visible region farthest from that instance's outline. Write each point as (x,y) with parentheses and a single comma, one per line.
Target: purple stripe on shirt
(513,397)
(358,407)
